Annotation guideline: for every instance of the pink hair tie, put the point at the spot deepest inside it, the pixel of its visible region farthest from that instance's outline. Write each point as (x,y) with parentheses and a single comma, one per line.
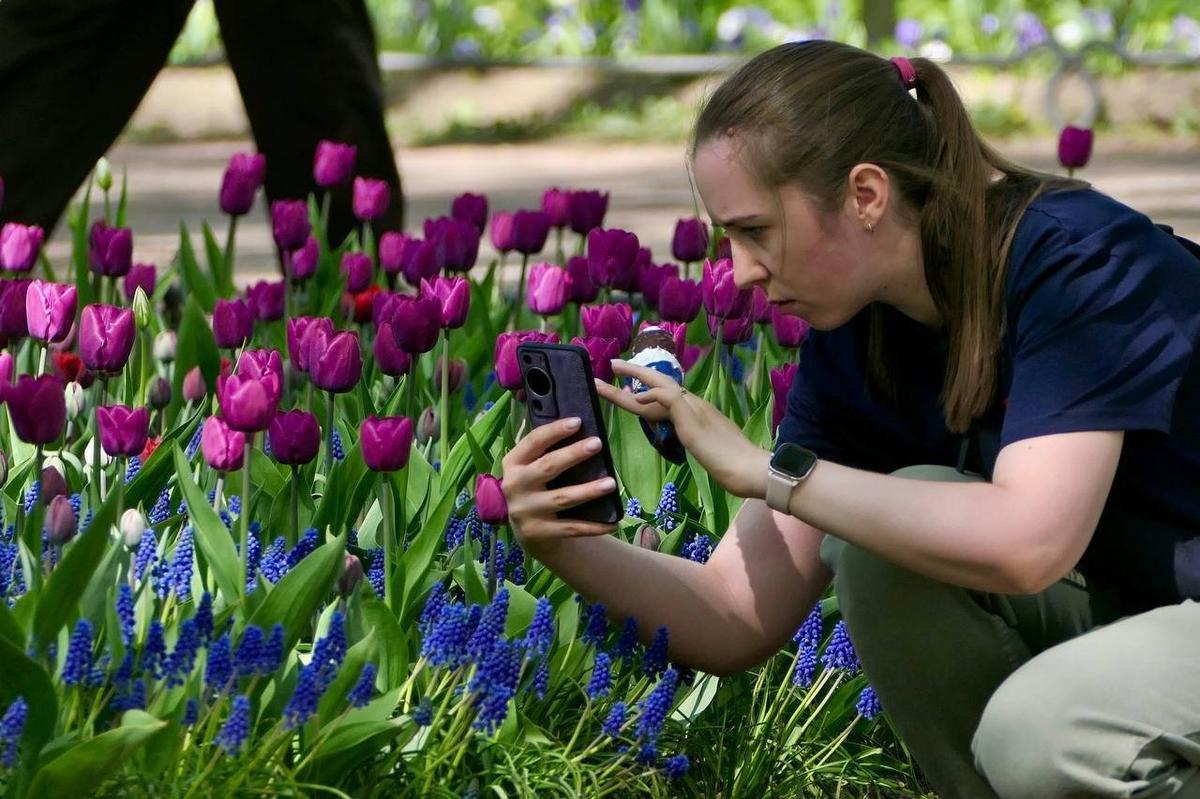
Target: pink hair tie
(908,74)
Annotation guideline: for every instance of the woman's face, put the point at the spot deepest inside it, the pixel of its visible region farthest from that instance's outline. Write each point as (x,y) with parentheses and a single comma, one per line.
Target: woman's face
(813,263)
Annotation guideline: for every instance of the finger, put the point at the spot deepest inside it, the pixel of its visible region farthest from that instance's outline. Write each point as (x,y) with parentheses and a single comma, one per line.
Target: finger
(565,497)
(664,396)
(536,441)
(557,461)
(628,401)
(650,377)
(551,528)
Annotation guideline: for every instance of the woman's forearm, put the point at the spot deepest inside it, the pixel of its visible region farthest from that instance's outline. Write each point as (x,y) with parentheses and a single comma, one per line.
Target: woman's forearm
(657,589)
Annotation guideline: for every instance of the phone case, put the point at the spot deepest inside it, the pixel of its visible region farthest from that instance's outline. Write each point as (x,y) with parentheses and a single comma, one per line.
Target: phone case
(572,393)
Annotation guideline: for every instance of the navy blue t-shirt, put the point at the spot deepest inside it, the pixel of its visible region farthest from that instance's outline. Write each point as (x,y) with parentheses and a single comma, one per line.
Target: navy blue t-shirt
(1102,318)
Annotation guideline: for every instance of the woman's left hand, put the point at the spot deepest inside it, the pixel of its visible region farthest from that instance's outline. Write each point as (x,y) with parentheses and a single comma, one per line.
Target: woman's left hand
(717,443)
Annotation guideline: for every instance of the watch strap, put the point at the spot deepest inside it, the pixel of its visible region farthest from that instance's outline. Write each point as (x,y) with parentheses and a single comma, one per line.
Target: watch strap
(779,490)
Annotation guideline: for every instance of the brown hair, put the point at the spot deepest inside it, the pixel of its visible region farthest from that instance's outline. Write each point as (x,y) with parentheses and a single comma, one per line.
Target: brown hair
(807,112)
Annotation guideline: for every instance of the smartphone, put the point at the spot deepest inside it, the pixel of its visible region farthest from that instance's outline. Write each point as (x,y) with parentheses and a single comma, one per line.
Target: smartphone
(558,384)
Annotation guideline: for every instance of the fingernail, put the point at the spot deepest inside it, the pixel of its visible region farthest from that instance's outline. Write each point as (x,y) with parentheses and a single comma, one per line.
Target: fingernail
(572,423)
(608,484)
(592,445)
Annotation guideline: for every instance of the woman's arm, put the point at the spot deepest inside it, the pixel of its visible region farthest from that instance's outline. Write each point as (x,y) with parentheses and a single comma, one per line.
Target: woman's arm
(723,616)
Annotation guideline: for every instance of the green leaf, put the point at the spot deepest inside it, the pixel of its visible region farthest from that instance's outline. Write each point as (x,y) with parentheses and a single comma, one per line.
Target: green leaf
(698,699)
(393,648)
(296,597)
(635,458)
(416,560)
(210,533)
(483,463)
(22,677)
(123,200)
(194,281)
(351,743)
(221,276)
(266,474)
(196,347)
(79,248)
(336,500)
(468,574)
(459,461)
(85,766)
(357,656)
(10,628)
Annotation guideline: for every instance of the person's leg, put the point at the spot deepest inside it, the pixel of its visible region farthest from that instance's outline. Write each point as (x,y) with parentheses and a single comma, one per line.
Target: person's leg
(309,71)
(1113,713)
(935,653)
(71,75)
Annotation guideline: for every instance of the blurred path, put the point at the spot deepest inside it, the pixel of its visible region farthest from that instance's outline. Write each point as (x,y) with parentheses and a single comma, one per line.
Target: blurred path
(648,182)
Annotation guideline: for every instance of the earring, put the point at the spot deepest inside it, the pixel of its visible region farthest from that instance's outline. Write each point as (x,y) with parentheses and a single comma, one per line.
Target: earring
(870,227)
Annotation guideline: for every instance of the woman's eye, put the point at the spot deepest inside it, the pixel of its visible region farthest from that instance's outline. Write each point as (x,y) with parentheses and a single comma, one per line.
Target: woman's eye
(752,232)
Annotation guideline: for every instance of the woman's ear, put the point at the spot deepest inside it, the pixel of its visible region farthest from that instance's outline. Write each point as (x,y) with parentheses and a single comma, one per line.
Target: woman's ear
(867,194)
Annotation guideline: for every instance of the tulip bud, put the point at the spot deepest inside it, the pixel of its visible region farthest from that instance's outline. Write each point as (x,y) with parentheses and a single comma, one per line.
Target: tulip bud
(490,501)
(165,345)
(106,335)
(133,526)
(104,174)
(333,163)
(223,447)
(142,312)
(456,373)
(37,408)
(427,426)
(159,395)
(386,442)
(53,483)
(144,276)
(648,537)
(76,400)
(194,388)
(60,520)
(371,198)
(781,384)
(690,242)
(1074,147)
(352,574)
(172,304)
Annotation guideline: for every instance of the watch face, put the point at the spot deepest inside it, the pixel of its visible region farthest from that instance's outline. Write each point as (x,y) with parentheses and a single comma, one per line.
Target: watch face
(792,459)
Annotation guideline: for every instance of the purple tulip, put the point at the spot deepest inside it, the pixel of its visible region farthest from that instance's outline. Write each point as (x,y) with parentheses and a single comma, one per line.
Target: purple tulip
(106,335)
(266,298)
(790,331)
(6,372)
(390,359)
(650,280)
(386,442)
(612,256)
(304,260)
(19,246)
(418,260)
(472,208)
(297,326)
(587,210)
(53,484)
(679,299)
(223,447)
(37,407)
(110,249)
(60,520)
(721,295)
(456,373)
(556,204)
(242,180)
(600,351)
(530,229)
(546,289)
(504,356)
(614,320)
(334,363)
(321,326)
(262,365)
(248,404)
(1074,147)
(333,163)
(13,323)
(690,242)
(123,430)
(232,323)
(352,574)
(295,437)
(760,307)
(391,251)
(357,269)
(194,388)
(371,198)
(49,310)
(736,330)
(453,295)
(455,243)
(289,224)
(504,231)
(781,384)
(416,322)
(140,276)
(580,286)
(489,500)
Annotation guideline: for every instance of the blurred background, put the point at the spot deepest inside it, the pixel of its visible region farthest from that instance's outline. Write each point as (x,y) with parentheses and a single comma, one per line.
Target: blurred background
(507,98)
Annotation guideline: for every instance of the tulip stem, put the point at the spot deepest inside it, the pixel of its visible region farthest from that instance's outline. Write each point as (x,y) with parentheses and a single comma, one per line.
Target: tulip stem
(389,541)
(244,513)
(520,293)
(758,361)
(295,506)
(443,420)
(42,364)
(491,562)
(120,489)
(97,472)
(217,492)
(329,437)
(287,288)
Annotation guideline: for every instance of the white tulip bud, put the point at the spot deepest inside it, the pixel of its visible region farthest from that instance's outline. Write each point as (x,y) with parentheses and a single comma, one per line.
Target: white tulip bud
(133,525)
(104,177)
(76,400)
(165,344)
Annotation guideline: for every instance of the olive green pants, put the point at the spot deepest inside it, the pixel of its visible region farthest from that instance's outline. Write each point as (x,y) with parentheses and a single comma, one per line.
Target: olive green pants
(1024,697)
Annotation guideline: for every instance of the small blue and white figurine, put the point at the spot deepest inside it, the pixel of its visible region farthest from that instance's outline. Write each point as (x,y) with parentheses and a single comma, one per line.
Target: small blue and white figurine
(654,348)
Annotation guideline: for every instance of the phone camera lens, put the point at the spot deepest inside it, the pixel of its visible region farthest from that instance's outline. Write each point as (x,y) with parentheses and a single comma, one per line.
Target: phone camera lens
(539,381)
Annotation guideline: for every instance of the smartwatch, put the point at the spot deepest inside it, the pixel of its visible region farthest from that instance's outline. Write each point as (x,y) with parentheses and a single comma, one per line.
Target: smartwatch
(790,464)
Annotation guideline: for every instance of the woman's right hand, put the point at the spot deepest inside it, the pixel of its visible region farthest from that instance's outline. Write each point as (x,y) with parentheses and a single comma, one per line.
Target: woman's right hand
(532,508)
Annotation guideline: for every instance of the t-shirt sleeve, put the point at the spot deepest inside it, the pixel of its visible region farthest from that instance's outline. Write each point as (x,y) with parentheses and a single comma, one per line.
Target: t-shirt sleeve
(1102,325)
